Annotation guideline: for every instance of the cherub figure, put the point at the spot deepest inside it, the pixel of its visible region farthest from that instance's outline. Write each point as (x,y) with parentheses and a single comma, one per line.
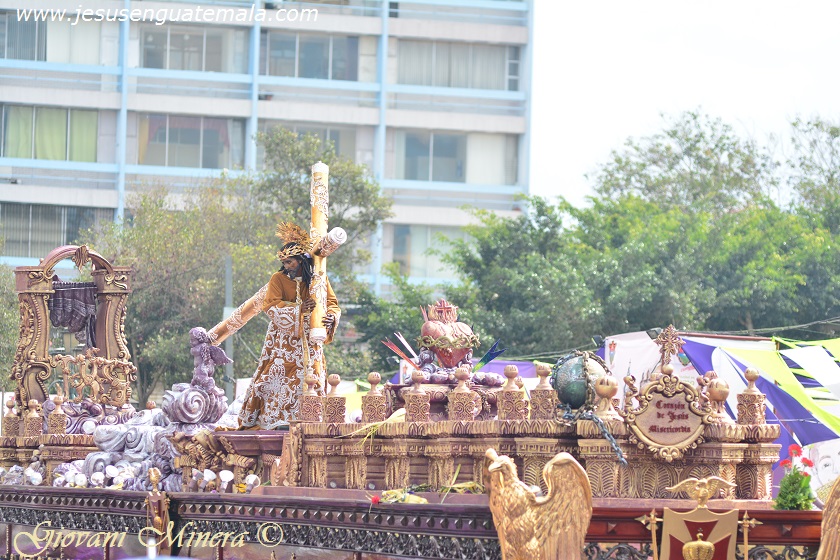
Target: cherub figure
(206,358)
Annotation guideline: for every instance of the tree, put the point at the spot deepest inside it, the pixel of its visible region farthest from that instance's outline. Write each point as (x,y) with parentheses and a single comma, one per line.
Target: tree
(177,246)
(683,232)
(755,268)
(281,193)
(815,171)
(642,263)
(521,283)
(9,324)
(380,318)
(176,261)
(697,164)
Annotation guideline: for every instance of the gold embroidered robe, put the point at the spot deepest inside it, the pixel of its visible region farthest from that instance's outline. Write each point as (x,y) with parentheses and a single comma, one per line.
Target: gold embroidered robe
(272,398)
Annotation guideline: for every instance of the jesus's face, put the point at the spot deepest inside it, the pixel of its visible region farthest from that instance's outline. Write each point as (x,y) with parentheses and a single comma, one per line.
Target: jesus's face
(291,267)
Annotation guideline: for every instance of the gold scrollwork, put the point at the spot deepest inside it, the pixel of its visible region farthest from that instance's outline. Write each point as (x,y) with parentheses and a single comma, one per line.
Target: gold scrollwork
(37,276)
(119,281)
(81,257)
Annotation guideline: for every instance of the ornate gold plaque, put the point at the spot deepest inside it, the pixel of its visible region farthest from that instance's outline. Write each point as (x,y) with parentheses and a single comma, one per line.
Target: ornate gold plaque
(669,419)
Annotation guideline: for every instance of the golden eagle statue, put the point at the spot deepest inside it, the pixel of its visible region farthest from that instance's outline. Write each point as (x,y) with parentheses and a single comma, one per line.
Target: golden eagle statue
(703,489)
(531,527)
(830,542)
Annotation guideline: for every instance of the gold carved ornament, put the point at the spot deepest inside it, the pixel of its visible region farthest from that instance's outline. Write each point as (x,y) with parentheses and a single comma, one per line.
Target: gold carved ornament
(157,511)
(830,542)
(683,532)
(662,399)
(531,527)
(108,381)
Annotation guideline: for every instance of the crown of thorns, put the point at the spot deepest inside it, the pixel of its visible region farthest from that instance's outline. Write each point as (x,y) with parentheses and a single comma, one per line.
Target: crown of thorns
(300,241)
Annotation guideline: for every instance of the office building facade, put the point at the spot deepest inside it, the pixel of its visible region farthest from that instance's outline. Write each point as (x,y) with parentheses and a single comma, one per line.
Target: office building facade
(432,95)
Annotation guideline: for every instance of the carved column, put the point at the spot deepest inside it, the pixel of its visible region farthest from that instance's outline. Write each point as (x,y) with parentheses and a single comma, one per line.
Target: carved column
(355,466)
(112,289)
(754,474)
(34,287)
(752,407)
(543,397)
(334,404)
(511,402)
(417,406)
(310,403)
(57,421)
(33,422)
(462,401)
(396,471)
(373,404)
(11,421)
(316,474)
(441,462)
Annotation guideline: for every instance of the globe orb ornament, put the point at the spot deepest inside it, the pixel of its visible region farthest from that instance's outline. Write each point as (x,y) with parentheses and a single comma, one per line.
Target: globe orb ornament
(574,377)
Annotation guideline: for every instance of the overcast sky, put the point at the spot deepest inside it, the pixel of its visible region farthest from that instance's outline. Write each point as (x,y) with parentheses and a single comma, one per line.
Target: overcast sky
(604,70)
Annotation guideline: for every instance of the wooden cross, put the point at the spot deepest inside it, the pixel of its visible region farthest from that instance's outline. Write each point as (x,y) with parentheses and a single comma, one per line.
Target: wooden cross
(324,245)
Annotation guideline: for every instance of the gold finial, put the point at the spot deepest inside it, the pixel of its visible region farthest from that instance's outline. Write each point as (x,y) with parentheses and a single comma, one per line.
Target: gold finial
(333,380)
(310,379)
(418,378)
(374,378)
(462,374)
(606,388)
(543,371)
(752,375)
(511,372)
(699,549)
(33,406)
(154,478)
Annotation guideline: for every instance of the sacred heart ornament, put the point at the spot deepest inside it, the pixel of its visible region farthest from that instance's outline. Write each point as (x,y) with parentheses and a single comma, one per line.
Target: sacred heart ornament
(449,339)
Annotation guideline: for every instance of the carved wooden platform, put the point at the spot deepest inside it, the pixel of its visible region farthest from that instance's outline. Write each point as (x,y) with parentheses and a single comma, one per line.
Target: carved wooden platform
(345,522)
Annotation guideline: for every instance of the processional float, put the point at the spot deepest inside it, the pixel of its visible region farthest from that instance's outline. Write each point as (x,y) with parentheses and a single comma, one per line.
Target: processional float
(441,430)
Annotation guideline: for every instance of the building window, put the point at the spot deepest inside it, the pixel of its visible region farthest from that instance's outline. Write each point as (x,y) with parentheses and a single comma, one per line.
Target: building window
(306,55)
(411,244)
(22,40)
(473,158)
(49,133)
(460,65)
(204,142)
(343,138)
(33,230)
(208,49)
(435,155)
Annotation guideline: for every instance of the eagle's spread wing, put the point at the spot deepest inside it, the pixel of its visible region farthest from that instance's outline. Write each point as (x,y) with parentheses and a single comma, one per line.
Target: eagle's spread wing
(830,544)
(716,484)
(689,486)
(563,515)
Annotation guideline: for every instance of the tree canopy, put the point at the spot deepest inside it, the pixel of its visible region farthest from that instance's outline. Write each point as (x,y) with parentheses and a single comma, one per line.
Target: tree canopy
(177,244)
(683,229)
